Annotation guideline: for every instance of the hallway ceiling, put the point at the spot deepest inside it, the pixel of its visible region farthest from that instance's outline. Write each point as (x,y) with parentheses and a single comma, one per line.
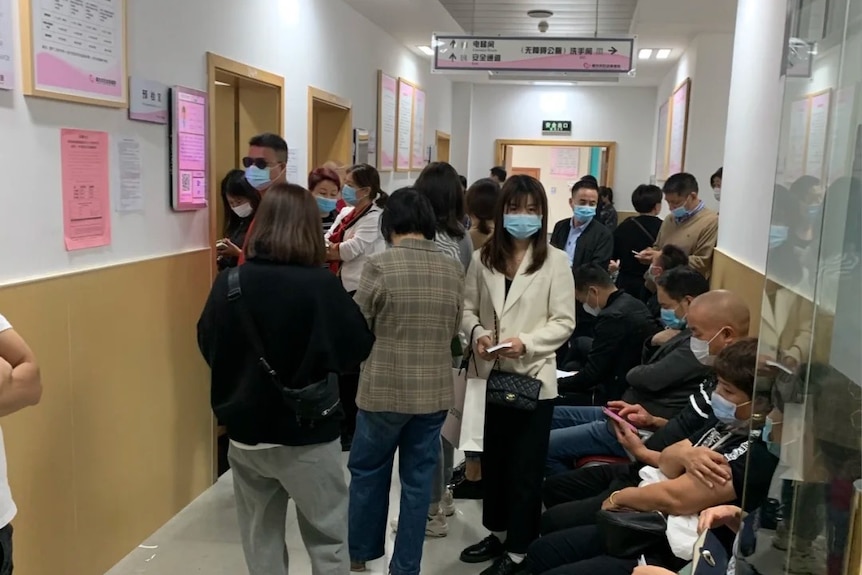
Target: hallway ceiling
(657,23)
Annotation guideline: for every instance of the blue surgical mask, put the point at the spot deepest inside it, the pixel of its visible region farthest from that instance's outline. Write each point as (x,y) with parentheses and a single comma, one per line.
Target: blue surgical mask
(669,319)
(725,410)
(522,226)
(777,236)
(679,213)
(257,177)
(584,214)
(326,205)
(814,211)
(766,435)
(348,194)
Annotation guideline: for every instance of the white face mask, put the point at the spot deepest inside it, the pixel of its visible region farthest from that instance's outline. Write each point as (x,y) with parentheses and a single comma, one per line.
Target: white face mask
(717,193)
(700,349)
(590,309)
(243,210)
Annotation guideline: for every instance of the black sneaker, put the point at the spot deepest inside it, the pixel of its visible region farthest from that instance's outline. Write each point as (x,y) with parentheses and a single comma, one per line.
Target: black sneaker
(488,548)
(459,474)
(505,566)
(468,490)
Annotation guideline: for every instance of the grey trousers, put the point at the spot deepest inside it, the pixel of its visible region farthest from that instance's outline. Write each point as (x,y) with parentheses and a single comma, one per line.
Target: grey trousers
(264,482)
(443,475)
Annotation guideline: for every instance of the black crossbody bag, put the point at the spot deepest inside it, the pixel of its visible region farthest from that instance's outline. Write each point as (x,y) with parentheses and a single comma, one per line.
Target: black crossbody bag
(512,389)
(311,403)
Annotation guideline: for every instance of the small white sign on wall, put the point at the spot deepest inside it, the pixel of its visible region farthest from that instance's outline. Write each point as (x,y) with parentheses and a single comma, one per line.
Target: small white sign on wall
(148,101)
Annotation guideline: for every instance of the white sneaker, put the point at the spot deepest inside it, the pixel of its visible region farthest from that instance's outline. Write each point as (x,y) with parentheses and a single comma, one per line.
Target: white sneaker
(807,558)
(447,504)
(435,526)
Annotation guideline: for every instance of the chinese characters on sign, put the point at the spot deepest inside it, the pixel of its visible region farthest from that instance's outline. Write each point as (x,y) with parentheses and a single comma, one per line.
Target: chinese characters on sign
(85,183)
(188,149)
(556,127)
(148,101)
(607,55)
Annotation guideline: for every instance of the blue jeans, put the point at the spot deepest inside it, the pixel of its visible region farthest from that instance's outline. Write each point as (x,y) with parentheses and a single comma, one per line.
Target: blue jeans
(378,435)
(578,432)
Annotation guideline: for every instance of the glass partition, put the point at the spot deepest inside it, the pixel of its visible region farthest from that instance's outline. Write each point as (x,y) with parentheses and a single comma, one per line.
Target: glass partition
(811,327)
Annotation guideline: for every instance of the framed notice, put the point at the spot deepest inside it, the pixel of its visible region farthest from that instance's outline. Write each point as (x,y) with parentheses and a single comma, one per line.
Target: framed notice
(678,132)
(841,132)
(7,47)
(404,126)
(818,132)
(418,159)
(58,64)
(662,137)
(797,144)
(188,147)
(387,121)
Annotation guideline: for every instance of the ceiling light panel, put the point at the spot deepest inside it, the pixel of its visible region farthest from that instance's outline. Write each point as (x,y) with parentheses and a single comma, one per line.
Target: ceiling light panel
(663,54)
(644,53)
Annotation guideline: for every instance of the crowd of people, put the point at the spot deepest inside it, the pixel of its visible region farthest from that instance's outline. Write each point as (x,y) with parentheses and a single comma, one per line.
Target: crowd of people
(621,389)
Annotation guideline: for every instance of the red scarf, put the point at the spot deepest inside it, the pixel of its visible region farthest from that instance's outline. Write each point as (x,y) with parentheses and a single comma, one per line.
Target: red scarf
(336,235)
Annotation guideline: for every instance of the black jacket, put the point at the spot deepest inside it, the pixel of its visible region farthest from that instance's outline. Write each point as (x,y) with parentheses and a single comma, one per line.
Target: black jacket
(595,245)
(629,237)
(618,335)
(668,376)
(309,327)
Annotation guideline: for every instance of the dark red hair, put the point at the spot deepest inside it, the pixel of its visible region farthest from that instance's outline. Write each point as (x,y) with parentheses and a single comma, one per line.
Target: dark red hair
(323,175)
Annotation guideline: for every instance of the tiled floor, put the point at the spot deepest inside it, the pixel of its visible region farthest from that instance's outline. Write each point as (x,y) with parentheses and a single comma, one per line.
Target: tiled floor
(203,538)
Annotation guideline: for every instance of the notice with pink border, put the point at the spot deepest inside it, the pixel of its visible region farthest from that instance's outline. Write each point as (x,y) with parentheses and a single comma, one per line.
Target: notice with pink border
(386,122)
(86,188)
(404,145)
(417,160)
(7,47)
(189,148)
(79,48)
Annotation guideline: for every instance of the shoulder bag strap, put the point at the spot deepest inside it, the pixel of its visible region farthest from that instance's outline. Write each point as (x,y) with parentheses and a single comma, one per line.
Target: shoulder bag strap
(644,230)
(234,295)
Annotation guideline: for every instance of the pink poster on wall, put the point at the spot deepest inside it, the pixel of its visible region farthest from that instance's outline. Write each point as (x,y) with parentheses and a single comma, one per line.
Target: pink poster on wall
(189,148)
(404,143)
(86,189)
(417,159)
(565,162)
(678,129)
(387,121)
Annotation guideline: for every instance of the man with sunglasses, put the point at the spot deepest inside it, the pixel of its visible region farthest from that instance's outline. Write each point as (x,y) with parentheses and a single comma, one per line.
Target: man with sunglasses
(265,165)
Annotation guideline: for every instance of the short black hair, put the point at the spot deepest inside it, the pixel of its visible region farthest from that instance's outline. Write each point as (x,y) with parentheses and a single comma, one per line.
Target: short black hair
(585,183)
(590,178)
(717,174)
(737,365)
(681,184)
(272,141)
(672,257)
(499,172)
(682,282)
(592,275)
(481,199)
(606,192)
(463,182)
(645,198)
(407,211)
(439,182)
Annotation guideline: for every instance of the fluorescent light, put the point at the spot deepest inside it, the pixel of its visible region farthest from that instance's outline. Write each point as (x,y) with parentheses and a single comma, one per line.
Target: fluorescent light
(544,83)
(427,50)
(220,83)
(644,53)
(663,54)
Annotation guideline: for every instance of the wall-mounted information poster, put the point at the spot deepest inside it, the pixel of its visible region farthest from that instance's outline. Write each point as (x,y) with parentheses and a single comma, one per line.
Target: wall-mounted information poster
(418,157)
(387,120)
(188,147)
(404,129)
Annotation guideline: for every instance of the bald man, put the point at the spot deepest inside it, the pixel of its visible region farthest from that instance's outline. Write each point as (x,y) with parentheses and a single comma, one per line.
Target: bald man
(716,319)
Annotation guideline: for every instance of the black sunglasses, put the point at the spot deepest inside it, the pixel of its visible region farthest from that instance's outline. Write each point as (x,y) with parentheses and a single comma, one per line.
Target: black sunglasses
(260,163)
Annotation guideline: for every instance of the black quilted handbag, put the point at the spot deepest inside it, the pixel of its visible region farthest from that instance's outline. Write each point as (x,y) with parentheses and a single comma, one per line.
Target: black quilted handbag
(628,533)
(513,390)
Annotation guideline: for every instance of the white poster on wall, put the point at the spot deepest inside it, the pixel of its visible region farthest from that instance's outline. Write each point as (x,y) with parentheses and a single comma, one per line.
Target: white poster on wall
(818,124)
(7,47)
(794,162)
(292,173)
(130,194)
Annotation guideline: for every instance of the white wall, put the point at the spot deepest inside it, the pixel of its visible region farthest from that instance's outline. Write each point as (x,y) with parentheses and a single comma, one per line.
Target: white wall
(751,141)
(707,62)
(557,187)
(310,42)
(621,115)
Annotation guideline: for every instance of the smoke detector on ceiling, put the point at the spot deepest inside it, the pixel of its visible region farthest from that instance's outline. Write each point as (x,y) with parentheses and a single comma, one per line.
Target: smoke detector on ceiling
(543,26)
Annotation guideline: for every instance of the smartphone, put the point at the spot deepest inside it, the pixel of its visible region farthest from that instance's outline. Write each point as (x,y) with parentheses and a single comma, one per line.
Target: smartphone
(220,245)
(505,345)
(635,252)
(613,415)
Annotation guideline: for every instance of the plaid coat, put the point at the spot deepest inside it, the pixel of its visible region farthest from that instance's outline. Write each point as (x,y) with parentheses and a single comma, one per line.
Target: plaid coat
(412,296)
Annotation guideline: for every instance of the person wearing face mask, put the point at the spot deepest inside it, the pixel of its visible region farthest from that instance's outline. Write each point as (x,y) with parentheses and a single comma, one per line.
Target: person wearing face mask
(663,382)
(325,185)
(239,203)
(715,183)
(691,226)
(670,257)
(741,460)
(518,292)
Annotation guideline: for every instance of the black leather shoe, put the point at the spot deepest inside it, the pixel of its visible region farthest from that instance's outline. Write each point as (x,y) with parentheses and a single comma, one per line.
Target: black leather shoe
(488,548)
(468,490)
(505,566)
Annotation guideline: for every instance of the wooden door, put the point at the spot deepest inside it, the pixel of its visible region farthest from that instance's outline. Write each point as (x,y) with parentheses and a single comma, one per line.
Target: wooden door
(534,172)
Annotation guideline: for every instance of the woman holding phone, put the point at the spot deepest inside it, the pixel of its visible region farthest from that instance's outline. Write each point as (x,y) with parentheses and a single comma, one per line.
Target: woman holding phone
(519,292)
(239,202)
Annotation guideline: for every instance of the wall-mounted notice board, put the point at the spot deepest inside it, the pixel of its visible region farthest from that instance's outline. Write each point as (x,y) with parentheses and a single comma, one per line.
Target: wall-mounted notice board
(419,153)
(661,143)
(678,128)
(404,129)
(57,65)
(188,148)
(387,120)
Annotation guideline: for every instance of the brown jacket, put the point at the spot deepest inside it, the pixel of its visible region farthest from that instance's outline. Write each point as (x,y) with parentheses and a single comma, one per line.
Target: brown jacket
(412,296)
(696,236)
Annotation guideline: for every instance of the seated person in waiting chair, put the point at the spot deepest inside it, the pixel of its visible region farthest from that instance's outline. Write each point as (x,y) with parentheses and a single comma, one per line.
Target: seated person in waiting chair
(573,498)
(670,257)
(669,375)
(622,323)
(741,465)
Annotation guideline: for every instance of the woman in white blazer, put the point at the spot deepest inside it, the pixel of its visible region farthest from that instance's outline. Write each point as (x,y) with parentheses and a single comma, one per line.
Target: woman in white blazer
(353,238)
(521,291)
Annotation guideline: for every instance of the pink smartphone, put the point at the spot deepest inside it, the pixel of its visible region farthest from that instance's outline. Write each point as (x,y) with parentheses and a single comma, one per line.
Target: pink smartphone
(613,415)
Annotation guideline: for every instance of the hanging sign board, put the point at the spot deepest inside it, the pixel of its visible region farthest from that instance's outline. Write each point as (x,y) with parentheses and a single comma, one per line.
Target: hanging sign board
(533,54)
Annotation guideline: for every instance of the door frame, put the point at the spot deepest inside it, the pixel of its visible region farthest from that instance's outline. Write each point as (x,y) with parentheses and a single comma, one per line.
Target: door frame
(500,151)
(335,101)
(444,137)
(216,64)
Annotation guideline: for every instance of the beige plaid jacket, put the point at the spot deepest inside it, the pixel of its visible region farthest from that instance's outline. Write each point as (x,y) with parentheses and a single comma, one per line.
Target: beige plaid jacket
(412,296)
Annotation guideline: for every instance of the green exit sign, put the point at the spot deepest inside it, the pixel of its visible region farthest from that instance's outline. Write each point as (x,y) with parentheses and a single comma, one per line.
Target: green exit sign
(557,127)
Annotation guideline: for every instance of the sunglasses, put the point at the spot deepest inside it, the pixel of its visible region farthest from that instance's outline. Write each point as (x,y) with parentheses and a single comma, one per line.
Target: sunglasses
(259,163)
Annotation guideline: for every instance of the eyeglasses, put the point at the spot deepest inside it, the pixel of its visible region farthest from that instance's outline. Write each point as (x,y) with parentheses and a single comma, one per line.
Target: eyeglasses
(259,163)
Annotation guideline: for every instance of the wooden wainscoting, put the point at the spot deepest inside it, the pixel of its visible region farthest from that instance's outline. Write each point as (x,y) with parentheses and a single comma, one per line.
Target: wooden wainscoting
(122,439)
(733,275)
